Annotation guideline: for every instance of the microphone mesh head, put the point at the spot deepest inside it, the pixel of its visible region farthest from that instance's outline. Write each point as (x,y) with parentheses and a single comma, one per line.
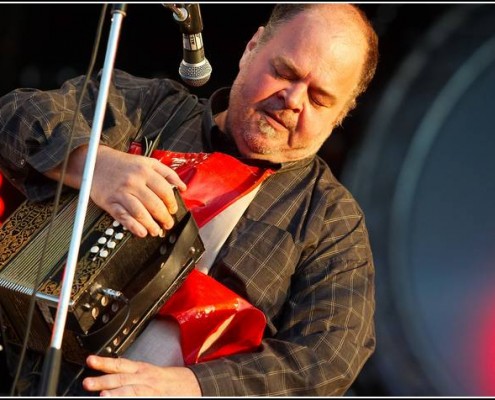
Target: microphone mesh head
(195,74)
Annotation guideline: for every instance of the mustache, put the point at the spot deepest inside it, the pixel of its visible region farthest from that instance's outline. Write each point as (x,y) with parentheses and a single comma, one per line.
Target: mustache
(285,117)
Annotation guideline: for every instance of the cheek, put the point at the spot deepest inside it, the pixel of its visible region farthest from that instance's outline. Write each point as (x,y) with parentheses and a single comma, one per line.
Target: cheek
(315,125)
(261,89)
(258,85)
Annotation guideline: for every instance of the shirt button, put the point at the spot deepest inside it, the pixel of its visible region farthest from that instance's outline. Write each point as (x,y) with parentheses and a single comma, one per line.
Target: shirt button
(22,162)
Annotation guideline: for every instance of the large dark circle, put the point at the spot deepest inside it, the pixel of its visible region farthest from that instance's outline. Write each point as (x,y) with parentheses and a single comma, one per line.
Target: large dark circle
(425,178)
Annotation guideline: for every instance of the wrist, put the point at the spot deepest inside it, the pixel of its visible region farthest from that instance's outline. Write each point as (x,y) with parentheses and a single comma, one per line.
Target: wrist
(74,169)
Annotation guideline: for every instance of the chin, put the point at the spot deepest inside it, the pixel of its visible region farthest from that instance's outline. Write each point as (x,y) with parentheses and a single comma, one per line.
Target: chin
(258,154)
(281,157)
(270,156)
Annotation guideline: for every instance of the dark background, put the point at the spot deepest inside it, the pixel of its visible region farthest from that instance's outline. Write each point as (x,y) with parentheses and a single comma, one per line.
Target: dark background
(434,337)
(42,45)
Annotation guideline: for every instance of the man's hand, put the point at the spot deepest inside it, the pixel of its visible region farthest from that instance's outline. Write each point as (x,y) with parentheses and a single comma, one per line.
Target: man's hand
(135,190)
(134,378)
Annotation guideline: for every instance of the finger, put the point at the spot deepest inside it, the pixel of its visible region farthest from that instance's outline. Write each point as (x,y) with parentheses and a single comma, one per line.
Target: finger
(151,211)
(157,194)
(165,197)
(133,215)
(129,391)
(143,211)
(112,365)
(107,382)
(121,377)
(170,175)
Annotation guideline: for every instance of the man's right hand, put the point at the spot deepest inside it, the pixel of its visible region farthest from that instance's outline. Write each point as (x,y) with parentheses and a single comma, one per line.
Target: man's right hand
(135,190)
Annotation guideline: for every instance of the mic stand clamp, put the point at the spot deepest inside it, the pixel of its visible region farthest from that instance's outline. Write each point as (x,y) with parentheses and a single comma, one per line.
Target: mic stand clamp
(180,13)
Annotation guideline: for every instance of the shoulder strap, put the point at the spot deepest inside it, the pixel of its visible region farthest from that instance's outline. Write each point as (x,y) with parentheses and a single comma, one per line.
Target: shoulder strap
(179,115)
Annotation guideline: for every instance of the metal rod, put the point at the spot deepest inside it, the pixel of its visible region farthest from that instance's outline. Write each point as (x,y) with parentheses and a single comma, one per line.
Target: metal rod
(51,366)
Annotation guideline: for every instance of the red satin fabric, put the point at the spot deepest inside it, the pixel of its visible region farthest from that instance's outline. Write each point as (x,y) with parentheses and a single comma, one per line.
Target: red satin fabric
(213,320)
(214,180)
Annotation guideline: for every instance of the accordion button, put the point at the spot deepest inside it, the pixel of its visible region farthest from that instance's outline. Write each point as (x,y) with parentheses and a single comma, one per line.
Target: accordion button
(109,232)
(94,249)
(111,244)
(104,253)
(119,236)
(102,240)
(115,224)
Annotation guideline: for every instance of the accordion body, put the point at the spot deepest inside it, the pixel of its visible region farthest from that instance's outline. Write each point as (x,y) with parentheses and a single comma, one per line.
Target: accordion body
(121,281)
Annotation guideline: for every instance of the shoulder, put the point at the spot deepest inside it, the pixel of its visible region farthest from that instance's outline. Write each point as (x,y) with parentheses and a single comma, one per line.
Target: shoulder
(328,196)
(126,81)
(315,175)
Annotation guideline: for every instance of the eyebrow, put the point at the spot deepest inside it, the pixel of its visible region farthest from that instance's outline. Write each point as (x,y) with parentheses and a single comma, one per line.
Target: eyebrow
(286,63)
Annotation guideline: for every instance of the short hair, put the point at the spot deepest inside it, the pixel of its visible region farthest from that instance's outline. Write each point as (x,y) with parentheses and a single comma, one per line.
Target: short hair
(284,12)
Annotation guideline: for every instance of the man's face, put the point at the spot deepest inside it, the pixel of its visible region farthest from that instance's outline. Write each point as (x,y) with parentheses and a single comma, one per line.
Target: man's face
(292,90)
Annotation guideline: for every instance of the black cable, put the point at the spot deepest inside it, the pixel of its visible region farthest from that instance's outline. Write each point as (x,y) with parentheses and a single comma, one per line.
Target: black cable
(57,198)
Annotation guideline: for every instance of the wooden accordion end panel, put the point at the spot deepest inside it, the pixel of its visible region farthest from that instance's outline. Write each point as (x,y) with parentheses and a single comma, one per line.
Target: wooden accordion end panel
(121,281)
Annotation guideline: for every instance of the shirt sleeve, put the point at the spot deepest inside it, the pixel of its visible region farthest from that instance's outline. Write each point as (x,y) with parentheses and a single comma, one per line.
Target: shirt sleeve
(325,331)
(36,126)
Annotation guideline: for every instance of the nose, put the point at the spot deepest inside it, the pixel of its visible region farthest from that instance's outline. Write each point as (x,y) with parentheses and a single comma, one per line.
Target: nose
(293,96)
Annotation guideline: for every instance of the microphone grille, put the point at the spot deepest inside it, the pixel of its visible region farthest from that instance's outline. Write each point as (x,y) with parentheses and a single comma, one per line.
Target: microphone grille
(195,74)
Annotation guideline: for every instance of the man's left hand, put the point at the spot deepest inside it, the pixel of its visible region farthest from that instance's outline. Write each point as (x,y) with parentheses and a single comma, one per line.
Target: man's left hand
(124,377)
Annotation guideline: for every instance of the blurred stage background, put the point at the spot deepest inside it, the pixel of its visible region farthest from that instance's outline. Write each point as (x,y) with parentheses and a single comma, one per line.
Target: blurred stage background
(417,153)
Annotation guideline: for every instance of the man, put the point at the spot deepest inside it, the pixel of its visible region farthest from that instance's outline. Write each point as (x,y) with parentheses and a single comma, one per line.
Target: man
(300,252)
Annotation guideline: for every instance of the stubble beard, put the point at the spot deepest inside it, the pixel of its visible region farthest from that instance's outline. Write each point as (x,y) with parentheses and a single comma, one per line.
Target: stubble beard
(257,139)
(256,133)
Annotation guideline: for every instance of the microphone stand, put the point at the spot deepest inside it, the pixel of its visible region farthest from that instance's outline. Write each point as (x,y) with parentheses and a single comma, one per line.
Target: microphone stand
(51,365)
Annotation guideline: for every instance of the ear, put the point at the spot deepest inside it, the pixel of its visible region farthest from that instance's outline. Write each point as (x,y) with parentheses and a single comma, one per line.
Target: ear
(252,44)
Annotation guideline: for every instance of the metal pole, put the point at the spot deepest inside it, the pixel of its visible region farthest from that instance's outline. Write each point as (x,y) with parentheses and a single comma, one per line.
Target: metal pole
(51,366)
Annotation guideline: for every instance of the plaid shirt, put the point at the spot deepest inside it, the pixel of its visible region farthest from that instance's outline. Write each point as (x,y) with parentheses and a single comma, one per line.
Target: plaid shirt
(300,252)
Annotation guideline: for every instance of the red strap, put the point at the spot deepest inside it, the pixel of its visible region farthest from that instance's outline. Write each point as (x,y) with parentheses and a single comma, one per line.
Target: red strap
(213,320)
(214,180)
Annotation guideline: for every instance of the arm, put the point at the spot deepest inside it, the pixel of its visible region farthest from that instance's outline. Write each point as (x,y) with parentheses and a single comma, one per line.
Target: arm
(35,128)
(324,333)
(304,258)
(132,189)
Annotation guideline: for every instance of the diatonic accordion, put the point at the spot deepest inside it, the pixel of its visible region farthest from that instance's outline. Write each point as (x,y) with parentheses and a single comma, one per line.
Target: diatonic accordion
(121,281)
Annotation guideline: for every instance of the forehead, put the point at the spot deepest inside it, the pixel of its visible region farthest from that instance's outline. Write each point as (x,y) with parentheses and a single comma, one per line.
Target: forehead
(322,40)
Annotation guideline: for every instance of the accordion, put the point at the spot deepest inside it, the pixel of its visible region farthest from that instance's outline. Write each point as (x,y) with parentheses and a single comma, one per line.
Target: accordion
(121,281)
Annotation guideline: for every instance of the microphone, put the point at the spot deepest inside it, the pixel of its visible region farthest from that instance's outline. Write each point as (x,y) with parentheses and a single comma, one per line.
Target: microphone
(194,69)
